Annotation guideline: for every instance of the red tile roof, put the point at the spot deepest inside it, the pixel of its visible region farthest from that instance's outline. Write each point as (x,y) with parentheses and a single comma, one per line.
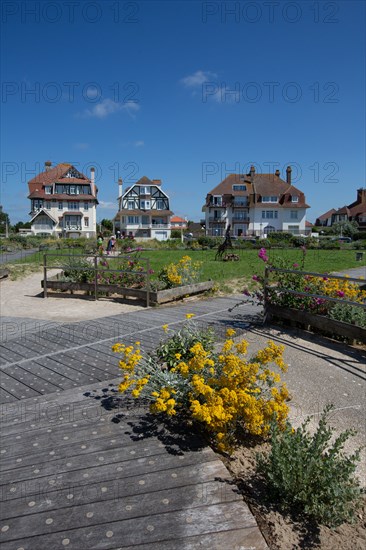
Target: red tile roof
(177,219)
(326,215)
(54,175)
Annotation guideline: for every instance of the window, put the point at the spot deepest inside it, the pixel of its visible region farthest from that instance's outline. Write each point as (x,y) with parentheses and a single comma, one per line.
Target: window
(160,204)
(48,189)
(60,205)
(239,187)
(217,201)
(145,205)
(294,198)
(73,205)
(269,199)
(130,204)
(269,214)
(240,201)
(133,219)
(145,190)
(37,204)
(293,214)
(48,205)
(86,222)
(294,229)
(72,190)
(86,205)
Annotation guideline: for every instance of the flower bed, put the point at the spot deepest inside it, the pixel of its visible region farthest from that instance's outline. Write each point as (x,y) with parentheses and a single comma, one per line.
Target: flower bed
(328,303)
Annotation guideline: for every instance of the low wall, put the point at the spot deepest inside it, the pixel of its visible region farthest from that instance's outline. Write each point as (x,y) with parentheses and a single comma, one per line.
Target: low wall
(155,297)
(310,320)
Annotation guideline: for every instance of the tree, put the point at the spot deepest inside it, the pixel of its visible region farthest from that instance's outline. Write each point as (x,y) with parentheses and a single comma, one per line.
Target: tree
(107,224)
(4,222)
(21,225)
(346,228)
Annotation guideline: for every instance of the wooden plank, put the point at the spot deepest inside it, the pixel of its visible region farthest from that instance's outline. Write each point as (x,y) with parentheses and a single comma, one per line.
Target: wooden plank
(184,523)
(148,504)
(136,469)
(31,380)
(16,388)
(65,370)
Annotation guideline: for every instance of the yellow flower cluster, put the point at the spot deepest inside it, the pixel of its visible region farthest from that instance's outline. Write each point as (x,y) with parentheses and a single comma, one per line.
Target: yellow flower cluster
(339,288)
(183,272)
(224,391)
(164,402)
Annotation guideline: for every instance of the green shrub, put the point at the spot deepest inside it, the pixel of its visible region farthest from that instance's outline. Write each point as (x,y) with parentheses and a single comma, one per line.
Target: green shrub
(299,241)
(279,236)
(307,473)
(348,314)
(182,341)
(175,234)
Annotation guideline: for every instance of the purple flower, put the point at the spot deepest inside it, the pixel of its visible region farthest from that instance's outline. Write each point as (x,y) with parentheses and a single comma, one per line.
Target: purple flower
(255,278)
(295,265)
(262,254)
(340,293)
(246,292)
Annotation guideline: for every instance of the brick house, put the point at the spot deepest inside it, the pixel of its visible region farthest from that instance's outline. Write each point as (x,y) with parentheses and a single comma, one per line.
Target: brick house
(255,204)
(63,202)
(356,211)
(143,210)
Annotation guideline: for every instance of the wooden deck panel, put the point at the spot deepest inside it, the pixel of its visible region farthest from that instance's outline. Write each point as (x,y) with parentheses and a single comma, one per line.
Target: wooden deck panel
(133,484)
(82,476)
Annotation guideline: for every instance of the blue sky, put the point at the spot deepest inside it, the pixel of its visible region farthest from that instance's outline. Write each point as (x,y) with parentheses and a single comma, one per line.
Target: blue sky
(185,92)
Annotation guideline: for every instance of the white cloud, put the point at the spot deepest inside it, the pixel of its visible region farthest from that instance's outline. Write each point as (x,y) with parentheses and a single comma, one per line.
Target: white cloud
(108,205)
(139,143)
(109,107)
(197,79)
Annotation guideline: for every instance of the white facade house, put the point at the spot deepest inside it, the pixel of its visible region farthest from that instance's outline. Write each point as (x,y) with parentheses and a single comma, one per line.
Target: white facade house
(143,211)
(255,205)
(63,202)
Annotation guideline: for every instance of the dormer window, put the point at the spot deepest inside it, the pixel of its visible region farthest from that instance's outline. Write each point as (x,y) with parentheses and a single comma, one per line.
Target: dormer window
(217,200)
(48,189)
(294,198)
(239,187)
(270,199)
(145,190)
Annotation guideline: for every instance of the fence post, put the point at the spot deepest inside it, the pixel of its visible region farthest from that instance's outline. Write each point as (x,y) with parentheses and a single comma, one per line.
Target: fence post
(44,275)
(95,277)
(265,294)
(148,283)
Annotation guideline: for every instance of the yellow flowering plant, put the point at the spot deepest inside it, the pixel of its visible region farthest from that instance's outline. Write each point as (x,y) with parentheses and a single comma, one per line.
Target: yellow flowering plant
(184,272)
(223,391)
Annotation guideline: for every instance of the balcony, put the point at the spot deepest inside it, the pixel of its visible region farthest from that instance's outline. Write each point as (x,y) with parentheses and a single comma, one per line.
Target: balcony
(146,225)
(237,219)
(212,219)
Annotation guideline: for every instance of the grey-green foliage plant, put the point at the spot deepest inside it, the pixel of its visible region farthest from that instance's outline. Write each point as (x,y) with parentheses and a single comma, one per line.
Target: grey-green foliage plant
(182,341)
(309,474)
(349,314)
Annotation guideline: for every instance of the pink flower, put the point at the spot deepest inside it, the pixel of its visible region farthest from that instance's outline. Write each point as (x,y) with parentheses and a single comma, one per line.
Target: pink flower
(262,254)
(255,278)
(295,265)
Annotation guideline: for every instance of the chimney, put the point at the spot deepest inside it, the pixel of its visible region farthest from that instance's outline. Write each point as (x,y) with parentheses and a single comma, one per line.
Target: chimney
(120,187)
(252,171)
(277,173)
(47,165)
(92,180)
(361,196)
(156,182)
(288,174)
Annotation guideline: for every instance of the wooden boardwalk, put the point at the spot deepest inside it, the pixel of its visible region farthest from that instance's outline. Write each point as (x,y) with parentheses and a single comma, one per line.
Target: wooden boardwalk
(83,467)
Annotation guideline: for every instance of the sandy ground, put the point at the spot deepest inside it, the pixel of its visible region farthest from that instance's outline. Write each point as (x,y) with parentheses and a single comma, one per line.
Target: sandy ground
(24,298)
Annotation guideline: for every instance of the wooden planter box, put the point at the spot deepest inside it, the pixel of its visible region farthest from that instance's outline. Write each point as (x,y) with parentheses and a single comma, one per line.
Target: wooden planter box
(311,321)
(155,297)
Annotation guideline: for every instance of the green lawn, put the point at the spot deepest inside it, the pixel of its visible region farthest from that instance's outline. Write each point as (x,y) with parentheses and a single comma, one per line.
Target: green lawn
(219,271)
(316,260)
